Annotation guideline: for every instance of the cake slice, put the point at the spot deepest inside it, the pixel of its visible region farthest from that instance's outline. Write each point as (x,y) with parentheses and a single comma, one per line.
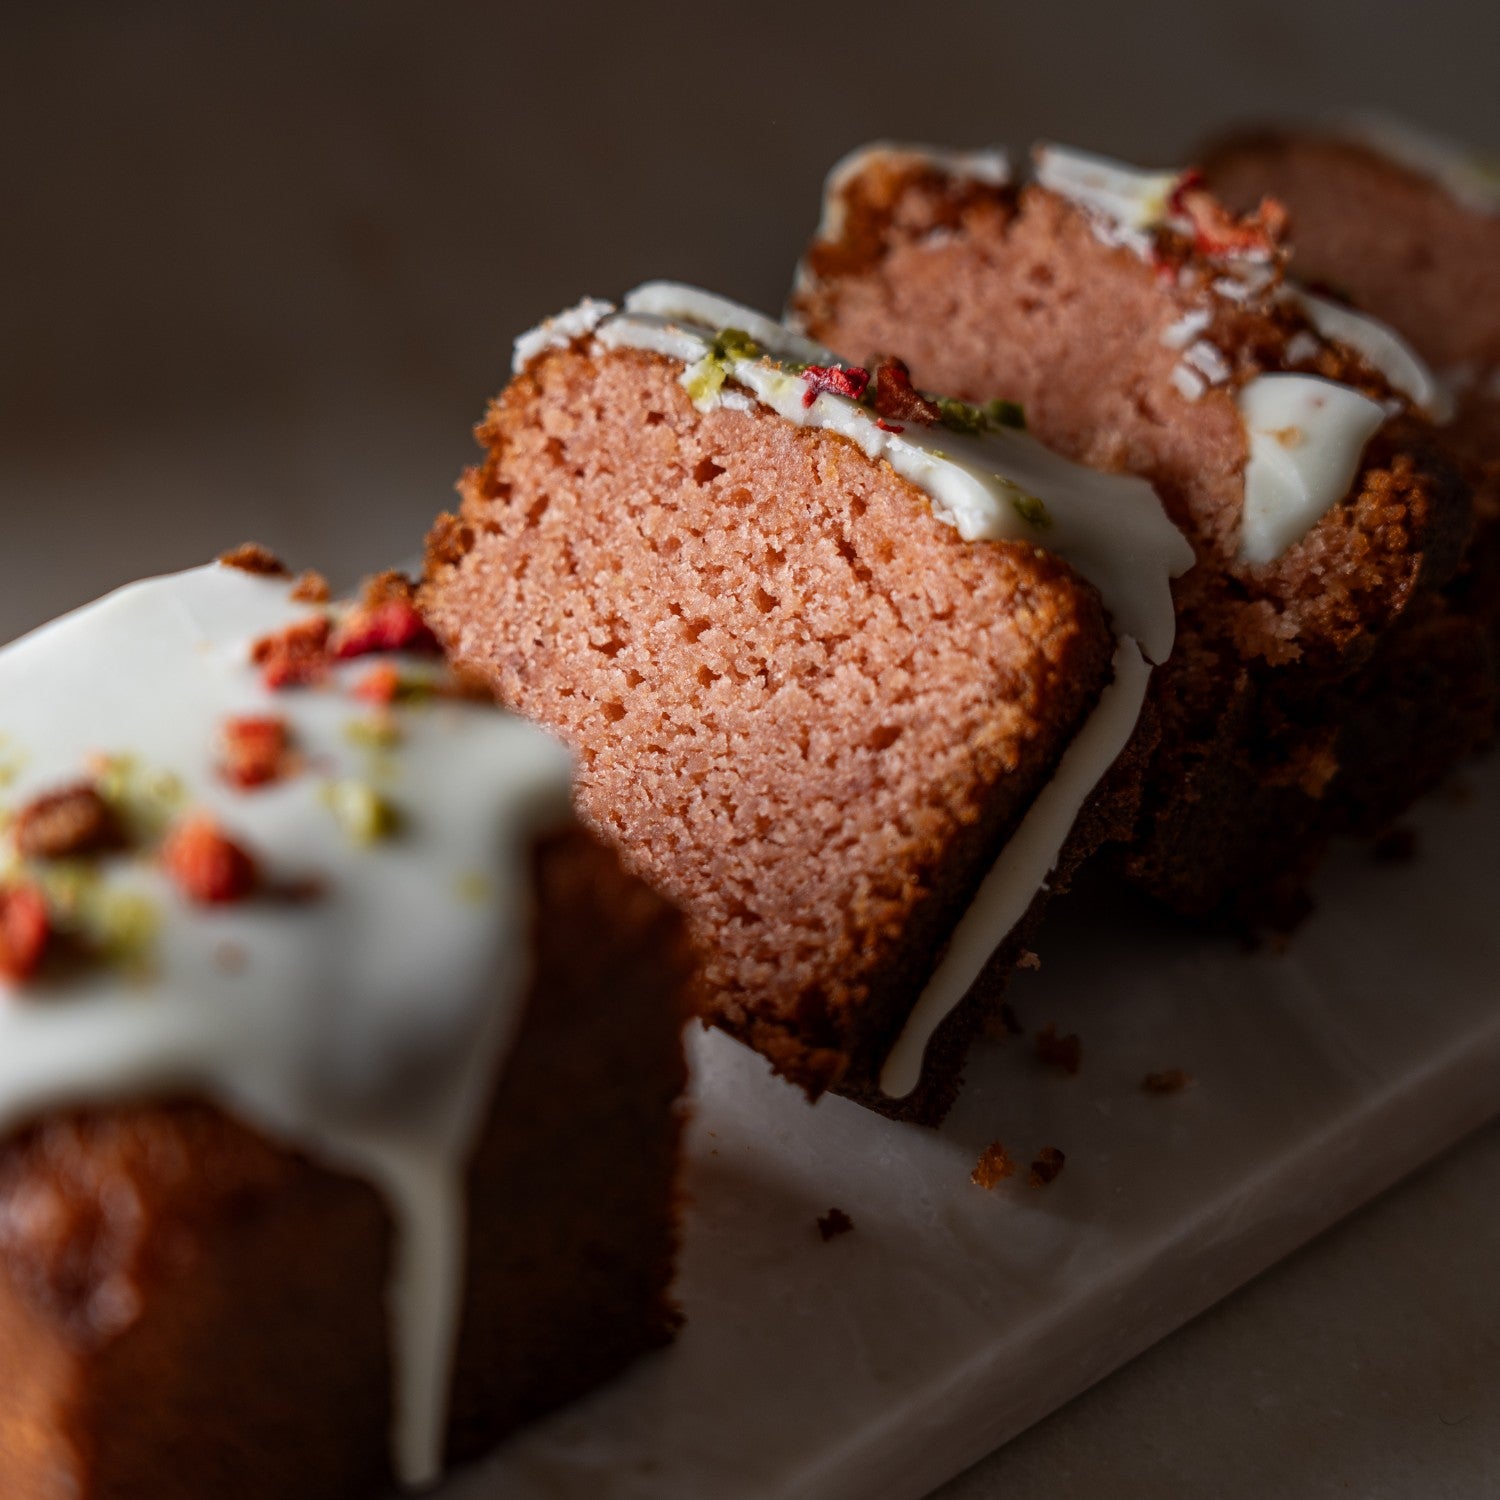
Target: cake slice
(844,668)
(329,1152)
(1407,227)
(1146,330)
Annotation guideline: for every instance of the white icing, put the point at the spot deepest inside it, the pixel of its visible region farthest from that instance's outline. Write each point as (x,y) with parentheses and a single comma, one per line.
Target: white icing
(365,1026)
(1179,334)
(1382,347)
(1306,437)
(559,332)
(991,165)
(1029,857)
(1110,528)
(1470,176)
(1127,196)
(1209,362)
(1190,385)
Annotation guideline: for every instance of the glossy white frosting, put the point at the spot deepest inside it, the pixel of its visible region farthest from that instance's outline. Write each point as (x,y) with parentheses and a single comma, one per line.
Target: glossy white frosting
(1132,197)
(1382,347)
(1306,437)
(1111,528)
(365,1026)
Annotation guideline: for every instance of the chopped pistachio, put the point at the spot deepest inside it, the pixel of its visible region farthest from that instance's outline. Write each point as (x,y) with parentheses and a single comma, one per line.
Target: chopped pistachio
(360,811)
(991,417)
(117,924)
(374,732)
(145,800)
(734,343)
(704,380)
(474,887)
(1031,510)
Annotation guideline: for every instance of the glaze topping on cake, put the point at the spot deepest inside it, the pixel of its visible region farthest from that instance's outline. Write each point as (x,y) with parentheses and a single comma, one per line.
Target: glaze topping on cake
(310,908)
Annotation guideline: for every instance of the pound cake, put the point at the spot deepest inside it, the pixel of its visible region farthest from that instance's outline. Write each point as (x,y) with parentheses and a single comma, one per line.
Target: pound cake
(846,668)
(330,1153)
(1322,677)
(1407,227)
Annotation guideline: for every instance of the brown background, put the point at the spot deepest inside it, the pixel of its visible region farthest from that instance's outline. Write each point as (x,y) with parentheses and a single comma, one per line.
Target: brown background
(260,266)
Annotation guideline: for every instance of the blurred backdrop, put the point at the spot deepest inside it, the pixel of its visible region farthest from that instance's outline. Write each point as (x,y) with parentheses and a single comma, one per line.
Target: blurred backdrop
(261,264)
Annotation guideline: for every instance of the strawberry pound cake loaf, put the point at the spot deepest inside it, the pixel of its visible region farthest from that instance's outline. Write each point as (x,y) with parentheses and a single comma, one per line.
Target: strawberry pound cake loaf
(328,1152)
(854,673)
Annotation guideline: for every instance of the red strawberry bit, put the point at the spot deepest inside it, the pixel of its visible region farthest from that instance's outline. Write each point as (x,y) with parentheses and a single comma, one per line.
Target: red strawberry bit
(381,685)
(1217,232)
(840,382)
(389,625)
(207,866)
(898,400)
(294,657)
(254,751)
(885,426)
(25,932)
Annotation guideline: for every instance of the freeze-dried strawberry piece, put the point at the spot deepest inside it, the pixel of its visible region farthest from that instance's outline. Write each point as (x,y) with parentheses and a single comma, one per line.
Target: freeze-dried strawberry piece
(898,400)
(381,685)
(25,932)
(254,750)
(66,824)
(294,657)
(840,382)
(206,865)
(1218,233)
(389,625)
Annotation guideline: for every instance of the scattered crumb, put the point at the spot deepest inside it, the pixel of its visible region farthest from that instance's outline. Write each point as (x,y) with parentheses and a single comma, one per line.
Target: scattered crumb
(1065,1053)
(834,1223)
(1049,1162)
(1396,846)
(1029,960)
(1168,1081)
(994,1165)
(1002,1025)
(251,557)
(311,588)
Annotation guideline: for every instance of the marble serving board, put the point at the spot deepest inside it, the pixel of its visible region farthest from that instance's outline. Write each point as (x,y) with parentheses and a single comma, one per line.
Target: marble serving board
(884,1361)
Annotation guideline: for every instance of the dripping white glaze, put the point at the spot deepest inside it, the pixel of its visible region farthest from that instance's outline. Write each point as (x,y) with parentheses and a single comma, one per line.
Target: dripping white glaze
(366,1026)
(1130,197)
(1306,436)
(1110,528)
(1381,346)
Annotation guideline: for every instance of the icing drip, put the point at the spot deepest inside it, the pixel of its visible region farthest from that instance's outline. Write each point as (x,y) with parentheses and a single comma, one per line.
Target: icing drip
(1001,485)
(1024,864)
(1127,196)
(1383,349)
(366,1026)
(1306,437)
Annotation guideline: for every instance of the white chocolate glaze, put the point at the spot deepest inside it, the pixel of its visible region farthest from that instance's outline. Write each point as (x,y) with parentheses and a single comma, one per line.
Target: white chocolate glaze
(1111,528)
(365,1026)
(1469,175)
(1382,348)
(559,332)
(1306,437)
(1130,197)
(1024,865)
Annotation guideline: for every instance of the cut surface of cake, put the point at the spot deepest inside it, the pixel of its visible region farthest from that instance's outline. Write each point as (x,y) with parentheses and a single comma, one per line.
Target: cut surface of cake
(845,668)
(314,1173)
(1147,330)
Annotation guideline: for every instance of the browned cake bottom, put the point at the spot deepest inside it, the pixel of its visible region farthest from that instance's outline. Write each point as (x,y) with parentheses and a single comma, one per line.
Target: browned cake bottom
(187,1310)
